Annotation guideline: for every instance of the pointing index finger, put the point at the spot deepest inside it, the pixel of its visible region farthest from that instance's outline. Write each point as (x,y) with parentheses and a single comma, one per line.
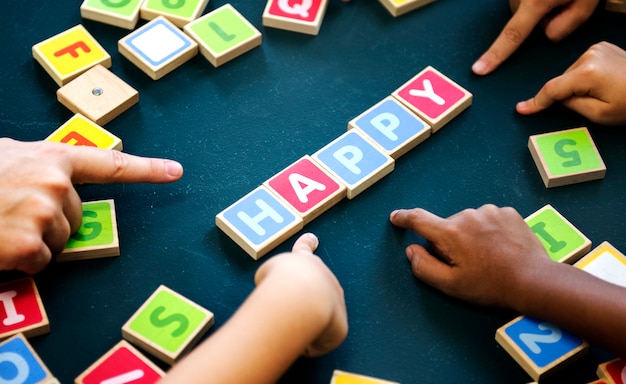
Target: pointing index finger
(424,223)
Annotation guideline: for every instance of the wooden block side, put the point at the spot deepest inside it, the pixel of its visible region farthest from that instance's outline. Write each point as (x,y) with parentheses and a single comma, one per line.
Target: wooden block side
(157,60)
(167,325)
(605,262)
(566,157)
(68,54)
(392,127)
(400,7)
(562,240)
(29,367)
(179,15)
(97,236)
(355,161)
(121,364)
(552,348)
(612,371)
(434,97)
(259,222)
(79,130)
(21,309)
(119,14)
(295,18)
(307,188)
(343,377)
(223,34)
(615,6)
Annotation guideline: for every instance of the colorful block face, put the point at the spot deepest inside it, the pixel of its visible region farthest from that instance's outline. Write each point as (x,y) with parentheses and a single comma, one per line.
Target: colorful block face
(223,34)
(70,53)
(97,235)
(122,364)
(392,126)
(121,13)
(21,309)
(615,370)
(355,161)
(341,377)
(20,364)
(434,97)
(566,157)
(537,346)
(563,242)
(301,16)
(180,12)
(81,131)
(259,221)
(606,263)
(167,324)
(158,47)
(307,188)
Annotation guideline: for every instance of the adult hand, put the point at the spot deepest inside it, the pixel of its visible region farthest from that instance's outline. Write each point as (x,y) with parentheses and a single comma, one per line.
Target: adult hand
(559,18)
(39,207)
(594,86)
(484,255)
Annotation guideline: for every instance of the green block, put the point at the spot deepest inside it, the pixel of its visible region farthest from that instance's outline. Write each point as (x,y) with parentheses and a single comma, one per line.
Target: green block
(125,8)
(97,227)
(561,239)
(569,152)
(223,29)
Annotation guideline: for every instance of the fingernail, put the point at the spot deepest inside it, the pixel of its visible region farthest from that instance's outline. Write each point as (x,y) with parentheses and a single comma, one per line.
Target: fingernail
(173,168)
(521,106)
(479,67)
(409,253)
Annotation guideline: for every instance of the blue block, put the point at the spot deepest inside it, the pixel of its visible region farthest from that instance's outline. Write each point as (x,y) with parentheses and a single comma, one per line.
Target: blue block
(18,364)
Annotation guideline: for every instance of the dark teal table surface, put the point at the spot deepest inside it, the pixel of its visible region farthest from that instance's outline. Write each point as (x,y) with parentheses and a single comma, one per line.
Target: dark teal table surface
(235,126)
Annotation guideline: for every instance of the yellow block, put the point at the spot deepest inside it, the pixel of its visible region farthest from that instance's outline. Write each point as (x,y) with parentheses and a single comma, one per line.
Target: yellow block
(81,131)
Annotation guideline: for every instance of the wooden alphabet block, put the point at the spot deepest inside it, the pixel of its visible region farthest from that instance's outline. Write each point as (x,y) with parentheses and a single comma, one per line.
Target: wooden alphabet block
(259,221)
(70,53)
(563,242)
(121,364)
(303,17)
(167,325)
(615,6)
(307,188)
(392,126)
(21,364)
(400,7)
(566,157)
(97,235)
(613,371)
(605,262)
(158,47)
(79,130)
(342,377)
(434,97)
(354,161)
(123,14)
(178,12)
(538,347)
(223,34)
(21,309)
(98,94)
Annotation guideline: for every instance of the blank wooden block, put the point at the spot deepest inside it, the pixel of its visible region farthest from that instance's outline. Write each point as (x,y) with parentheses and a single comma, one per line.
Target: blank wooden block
(98,94)
(307,188)
(613,371)
(540,348)
(167,325)
(434,97)
(21,309)
(355,161)
(605,262)
(392,126)
(223,34)
(259,221)
(400,7)
(70,53)
(79,130)
(615,6)
(21,364)
(97,235)
(178,12)
(342,377)
(123,14)
(158,47)
(566,157)
(121,364)
(563,242)
(303,17)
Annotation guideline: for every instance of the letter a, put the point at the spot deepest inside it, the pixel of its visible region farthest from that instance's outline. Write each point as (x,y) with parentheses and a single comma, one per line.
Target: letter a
(297,180)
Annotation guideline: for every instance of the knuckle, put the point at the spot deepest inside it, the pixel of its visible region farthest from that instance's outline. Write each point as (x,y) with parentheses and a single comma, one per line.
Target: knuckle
(513,35)
(120,163)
